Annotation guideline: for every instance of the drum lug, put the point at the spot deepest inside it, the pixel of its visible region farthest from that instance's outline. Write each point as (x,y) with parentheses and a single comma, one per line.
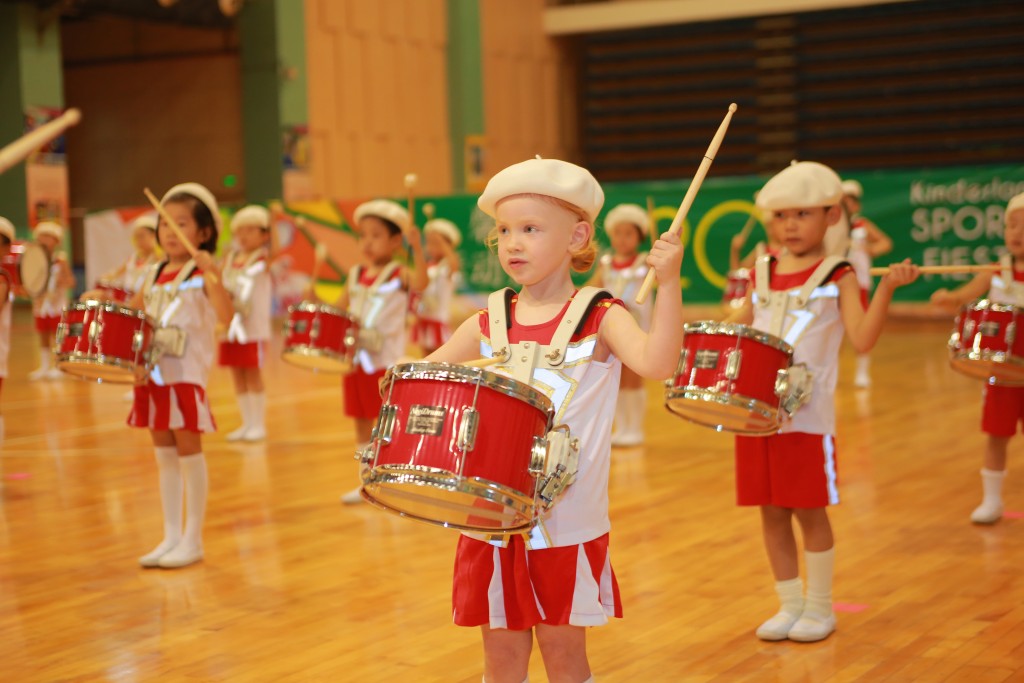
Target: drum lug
(684,356)
(137,339)
(365,454)
(385,424)
(1011,333)
(732,366)
(95,330)
(468,426)
(314,330)
(62,331)
(538,456)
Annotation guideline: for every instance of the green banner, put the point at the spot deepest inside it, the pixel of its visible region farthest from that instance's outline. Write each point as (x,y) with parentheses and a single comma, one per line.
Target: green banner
(934,217)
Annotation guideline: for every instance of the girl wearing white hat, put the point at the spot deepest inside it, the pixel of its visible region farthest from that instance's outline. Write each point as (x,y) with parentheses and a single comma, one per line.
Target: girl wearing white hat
(171,401)
(622,271)
(247,277)
(1002,406)
(544,211)
(433,306)
(867,242)
(48,306)
(6,302)
(122,282)
(810,300)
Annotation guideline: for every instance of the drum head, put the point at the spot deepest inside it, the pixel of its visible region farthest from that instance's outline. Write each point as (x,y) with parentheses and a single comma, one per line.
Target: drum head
(34,269)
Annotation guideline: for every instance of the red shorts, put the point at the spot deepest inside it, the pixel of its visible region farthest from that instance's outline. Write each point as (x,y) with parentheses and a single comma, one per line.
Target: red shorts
(516,588)
(1002,409)
(239,355)
(361,394)
(173,406)
(791,470)
(47,323)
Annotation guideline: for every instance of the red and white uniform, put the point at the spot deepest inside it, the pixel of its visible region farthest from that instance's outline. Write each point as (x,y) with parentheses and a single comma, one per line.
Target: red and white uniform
(135,270)
(433,307)
(174,397)
(48,306)
(5,322)
(379,303)
(247,278)
(623,279)
(797,466)
(570,582)
(1003,406)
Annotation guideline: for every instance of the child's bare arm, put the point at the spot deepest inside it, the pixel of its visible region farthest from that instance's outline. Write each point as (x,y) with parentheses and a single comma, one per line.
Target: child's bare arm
(864,327)
(966,293)
(463,345)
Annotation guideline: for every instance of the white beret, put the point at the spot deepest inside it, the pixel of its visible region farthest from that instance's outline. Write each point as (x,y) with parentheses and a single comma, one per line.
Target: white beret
(1016,202)
(251,215)
(146,220)
(549,177)
(803,184)
(383,208)
(6,228)
(50,228)
(445,228)
(853,188)
(199,192)
(628,213)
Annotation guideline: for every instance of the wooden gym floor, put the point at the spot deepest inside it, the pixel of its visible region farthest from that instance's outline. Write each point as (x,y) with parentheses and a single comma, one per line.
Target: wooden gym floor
(296,587)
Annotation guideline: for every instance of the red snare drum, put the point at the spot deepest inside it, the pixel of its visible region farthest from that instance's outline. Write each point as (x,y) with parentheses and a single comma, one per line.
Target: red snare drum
(985,344)
(320,337)
(736,287)
(460,447)
(730,377)
(103,341)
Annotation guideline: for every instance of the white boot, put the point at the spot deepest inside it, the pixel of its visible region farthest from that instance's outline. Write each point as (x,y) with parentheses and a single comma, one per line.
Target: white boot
(256,430)
(991,509)
(818,620)
(862,379)
(245,409)
(791,601)
(190,549)
(170,500)
(45,365)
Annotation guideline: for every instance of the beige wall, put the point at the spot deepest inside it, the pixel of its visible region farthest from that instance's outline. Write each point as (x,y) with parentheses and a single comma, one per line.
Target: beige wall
(377,96)
(161,104)
(529,86)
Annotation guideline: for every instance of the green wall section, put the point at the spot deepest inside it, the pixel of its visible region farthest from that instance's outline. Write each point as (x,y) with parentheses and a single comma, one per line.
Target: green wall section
(291,51)
(261,106)
(40,58)
(465,82)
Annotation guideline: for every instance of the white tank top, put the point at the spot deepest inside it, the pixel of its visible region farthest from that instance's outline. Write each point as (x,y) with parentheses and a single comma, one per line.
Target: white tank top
(436,300)
(134,276)
(380,309)
(186,307)
(52,301)
(1005,289)
(250,288)
(813,326)
(625,282)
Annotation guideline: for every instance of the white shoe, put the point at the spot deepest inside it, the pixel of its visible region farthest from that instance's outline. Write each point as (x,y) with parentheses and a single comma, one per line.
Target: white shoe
(238,434)
(39,374)
(989,512)
(862,380)
(810,628)
(152,558)
(55,373)
(778,627)
(181,555)
(255,434)
(353,497)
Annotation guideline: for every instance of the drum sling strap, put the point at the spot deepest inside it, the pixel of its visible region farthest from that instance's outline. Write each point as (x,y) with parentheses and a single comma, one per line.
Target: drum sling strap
(167,339)
(779,302)
(370,338)
(240,283)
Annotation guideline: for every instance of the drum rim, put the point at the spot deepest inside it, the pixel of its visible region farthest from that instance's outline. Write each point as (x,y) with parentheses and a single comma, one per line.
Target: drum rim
(312,352)
(696,393)
(110,307)
(470,375)
(34,248)
(712,327)
(989,305)
(419,475)
(88,360)
(306,306)
(960,361)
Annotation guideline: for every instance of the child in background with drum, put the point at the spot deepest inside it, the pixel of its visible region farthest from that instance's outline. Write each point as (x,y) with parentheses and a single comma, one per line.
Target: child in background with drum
(377,295)
(1002,406)
(433,308)
(7,235)
(129,275)
(544,211)
(48,306)
(246,276)
(808,300)
(621,271)
(867,242)
(171,402)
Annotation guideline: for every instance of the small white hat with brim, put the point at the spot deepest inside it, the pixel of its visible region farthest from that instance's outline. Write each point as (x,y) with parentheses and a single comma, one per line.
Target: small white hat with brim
(6,228)
(803,184)
(853,188)
(1016,202)
(445,228)
(146,220)
(628,213)
(49,228)
(549,177)
(199,192)
(253,214)
(383,208)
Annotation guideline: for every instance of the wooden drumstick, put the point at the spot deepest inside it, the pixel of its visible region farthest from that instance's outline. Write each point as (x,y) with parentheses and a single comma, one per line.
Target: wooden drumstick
(691,193)
(33,140)
(429,211)
(482,362)
(173,224)
(410,186)
(748,227)
(945,270)
(300,225)
(319,256)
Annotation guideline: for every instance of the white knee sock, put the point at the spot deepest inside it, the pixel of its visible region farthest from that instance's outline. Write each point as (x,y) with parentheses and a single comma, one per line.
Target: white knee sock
(819,582)
(45,358)
(193,470)
(257,411)
(170,501)
(992,485)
